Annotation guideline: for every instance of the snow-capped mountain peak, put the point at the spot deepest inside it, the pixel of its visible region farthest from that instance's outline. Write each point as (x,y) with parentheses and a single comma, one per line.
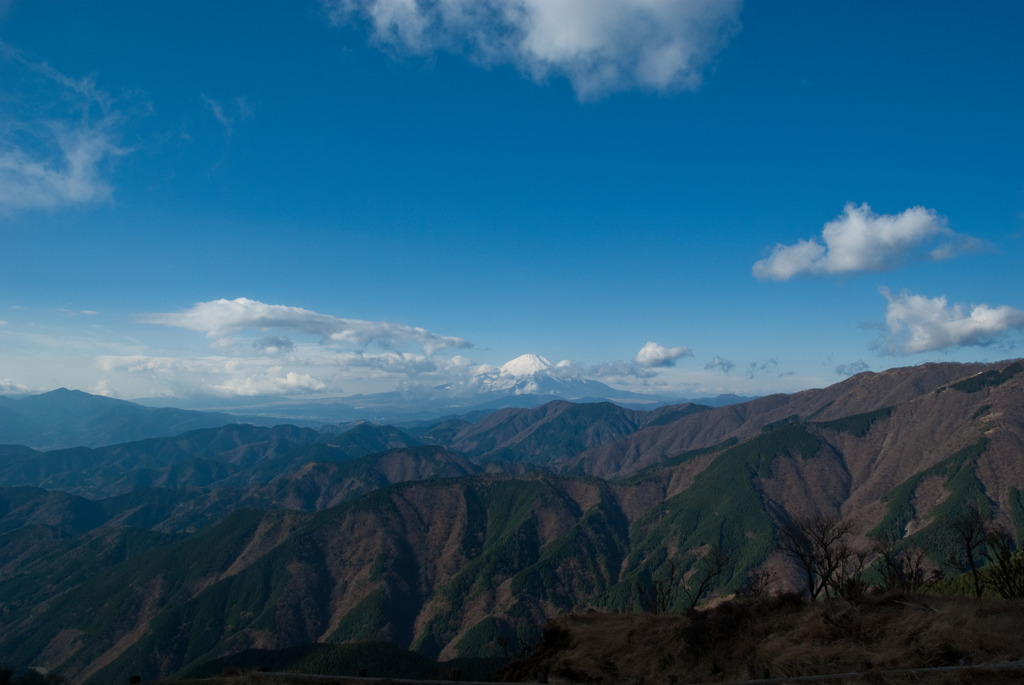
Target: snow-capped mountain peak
(526,365)
(532,375)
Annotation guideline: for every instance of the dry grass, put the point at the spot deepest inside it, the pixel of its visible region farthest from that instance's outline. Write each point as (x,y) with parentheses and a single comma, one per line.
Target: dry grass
(779,638)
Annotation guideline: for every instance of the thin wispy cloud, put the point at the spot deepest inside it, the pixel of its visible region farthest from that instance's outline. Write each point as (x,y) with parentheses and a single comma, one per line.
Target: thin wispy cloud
(616,369)
(654,355)
(922,324)
(719,364)
(861,240)
(223,317)
(57,137)
(852,369)
(227,114)
(601,46)
(754,369)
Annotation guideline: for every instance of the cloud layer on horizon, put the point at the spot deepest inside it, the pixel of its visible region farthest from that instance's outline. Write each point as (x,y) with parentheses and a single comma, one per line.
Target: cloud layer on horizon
(252,354)
(601,46)
(308,370)
(861,240)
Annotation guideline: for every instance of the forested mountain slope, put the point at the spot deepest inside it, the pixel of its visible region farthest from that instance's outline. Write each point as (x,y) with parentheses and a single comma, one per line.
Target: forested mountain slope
(298,542)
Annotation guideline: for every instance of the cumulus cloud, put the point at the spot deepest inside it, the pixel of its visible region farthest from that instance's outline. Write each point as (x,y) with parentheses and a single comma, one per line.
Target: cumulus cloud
(860,240)
(921,324)
(221,317)
(56,145)
(601,46)
(654,355)
(852,369)
(719,364)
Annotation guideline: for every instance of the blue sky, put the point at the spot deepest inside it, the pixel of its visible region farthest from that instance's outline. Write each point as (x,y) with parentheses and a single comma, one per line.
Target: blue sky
(326,198)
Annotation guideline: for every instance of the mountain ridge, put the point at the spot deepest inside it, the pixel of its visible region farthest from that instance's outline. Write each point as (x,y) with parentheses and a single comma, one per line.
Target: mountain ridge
(71,418)
(439,551)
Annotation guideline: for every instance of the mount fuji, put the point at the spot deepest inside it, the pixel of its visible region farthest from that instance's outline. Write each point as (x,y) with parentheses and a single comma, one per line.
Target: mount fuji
(531,375)
(524,382)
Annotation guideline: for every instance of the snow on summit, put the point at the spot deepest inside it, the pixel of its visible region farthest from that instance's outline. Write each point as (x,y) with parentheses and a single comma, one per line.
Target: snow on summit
(527,373)
(532,374)
(525,365)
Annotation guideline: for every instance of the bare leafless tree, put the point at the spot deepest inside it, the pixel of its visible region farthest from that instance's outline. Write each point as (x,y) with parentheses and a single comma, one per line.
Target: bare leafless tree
(709,566)
(1005,567)
(657,595)
(968,532)
(848,581)
(903,568)
(665,591)
(818,545)
(758,583)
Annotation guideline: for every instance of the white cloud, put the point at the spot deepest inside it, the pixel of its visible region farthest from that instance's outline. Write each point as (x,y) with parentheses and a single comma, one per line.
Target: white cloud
(220,317)
(654,355)
(720,364)
(56,143)
(568,369)
(103,388)
(860,240)
(9,387)
(213,375)
(852,369)
(304,369)
(274,382)
(601,46)
(922,324)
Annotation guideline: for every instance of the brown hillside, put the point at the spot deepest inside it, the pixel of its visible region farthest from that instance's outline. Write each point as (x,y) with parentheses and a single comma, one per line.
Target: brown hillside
(753,639)
(460,565)
(323,484)
(860,394)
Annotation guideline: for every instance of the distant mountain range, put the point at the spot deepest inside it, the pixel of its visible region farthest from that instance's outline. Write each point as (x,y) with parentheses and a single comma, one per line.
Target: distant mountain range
(526,381)
(164,556)
(68,418)
(72,418)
